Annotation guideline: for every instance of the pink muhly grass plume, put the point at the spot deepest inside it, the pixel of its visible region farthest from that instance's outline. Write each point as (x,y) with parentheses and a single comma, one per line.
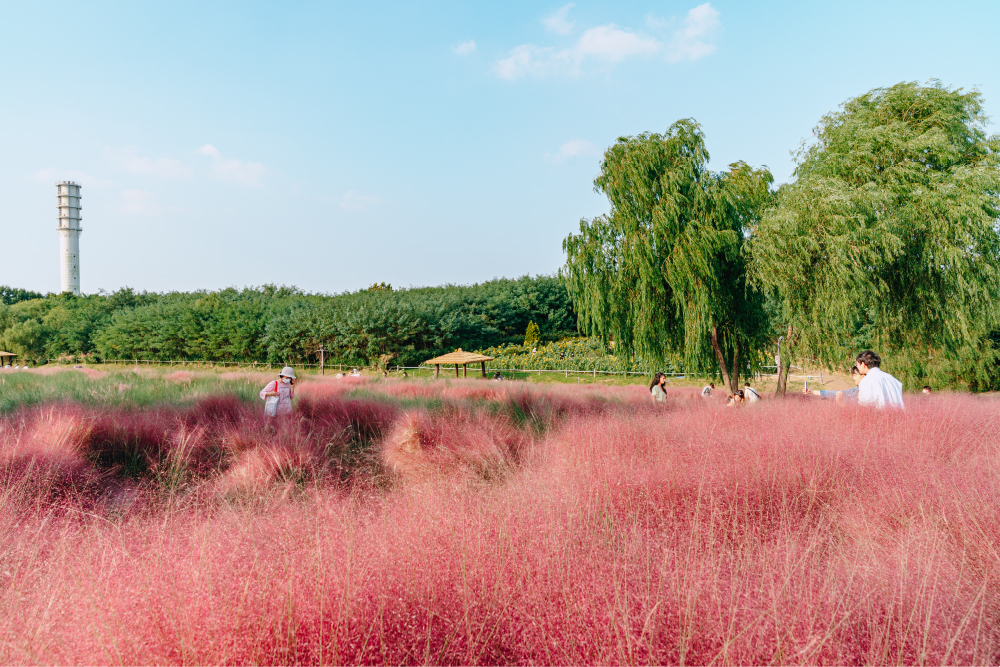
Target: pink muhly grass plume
(453,444)
(256,470)
(531,526)
(180,376)
(40,453)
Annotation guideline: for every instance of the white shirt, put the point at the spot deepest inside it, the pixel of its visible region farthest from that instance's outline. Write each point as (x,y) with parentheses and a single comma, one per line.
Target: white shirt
(880,390)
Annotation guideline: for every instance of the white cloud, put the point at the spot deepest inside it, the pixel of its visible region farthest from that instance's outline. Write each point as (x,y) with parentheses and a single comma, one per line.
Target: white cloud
(466,47)
(522,60)
(556,21)
(138,202)
(607,44)
(356,201)
(51,175)
(604,44)
(232,170)
(610,43)
(691,41)
(574,149)
(162,167)
(209,150)
(657,23)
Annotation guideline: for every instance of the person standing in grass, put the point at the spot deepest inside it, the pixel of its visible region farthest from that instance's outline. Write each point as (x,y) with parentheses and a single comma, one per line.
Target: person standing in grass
(278,394)
(847,395)
(750,393)
(877,388)
(658,388)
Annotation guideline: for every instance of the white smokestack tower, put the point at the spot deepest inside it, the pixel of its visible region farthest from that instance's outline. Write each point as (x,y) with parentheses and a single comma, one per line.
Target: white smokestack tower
(68,196)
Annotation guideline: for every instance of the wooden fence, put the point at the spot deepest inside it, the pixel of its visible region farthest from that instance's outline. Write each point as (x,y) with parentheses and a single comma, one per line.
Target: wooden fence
(566,372)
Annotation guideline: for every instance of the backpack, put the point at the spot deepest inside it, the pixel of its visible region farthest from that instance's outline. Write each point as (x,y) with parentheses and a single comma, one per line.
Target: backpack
(271,402)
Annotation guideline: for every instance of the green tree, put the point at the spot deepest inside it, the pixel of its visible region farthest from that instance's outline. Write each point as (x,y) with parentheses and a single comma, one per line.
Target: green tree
(887,238)
(12,295)
(25,339)
(663,272)
(531,335)
(285,324)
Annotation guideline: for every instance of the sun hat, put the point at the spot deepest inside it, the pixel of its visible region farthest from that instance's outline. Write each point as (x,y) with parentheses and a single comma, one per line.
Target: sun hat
(287,372)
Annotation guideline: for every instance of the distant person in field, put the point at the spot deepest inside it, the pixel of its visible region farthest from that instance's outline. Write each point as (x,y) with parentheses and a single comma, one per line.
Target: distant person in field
(278,394)
(925,390)
(750,393)
(877,388)
(706,391)
(658,388)
(847,395)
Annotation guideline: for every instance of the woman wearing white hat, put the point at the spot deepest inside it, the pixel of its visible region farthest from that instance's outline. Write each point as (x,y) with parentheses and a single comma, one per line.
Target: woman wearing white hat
(278,394)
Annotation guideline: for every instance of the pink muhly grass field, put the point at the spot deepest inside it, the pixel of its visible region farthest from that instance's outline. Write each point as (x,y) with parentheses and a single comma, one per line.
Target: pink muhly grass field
(502,524)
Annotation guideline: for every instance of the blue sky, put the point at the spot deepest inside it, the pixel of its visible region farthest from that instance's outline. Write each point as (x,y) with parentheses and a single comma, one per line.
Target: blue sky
(333,145)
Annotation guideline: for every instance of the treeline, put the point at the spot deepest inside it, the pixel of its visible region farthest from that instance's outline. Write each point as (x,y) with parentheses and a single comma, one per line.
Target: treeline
(282,324)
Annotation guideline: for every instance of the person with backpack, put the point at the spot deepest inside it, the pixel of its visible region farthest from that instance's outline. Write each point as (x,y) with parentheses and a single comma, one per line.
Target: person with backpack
(278,394)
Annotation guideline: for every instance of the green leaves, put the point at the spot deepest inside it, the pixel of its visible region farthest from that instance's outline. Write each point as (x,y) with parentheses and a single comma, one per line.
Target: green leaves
(888,236)
(532,335)
(664,269)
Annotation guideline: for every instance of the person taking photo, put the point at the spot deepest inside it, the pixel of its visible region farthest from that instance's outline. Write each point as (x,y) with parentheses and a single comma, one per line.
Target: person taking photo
(877,388)
(846,395)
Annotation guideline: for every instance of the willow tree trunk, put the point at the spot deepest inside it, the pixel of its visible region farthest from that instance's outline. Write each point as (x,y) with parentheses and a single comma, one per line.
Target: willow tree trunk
(728,380)
(784,362)
(735,386)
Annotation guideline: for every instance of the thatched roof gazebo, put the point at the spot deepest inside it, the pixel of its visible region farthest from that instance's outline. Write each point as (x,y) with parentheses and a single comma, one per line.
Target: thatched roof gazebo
(459,358)
(6,357)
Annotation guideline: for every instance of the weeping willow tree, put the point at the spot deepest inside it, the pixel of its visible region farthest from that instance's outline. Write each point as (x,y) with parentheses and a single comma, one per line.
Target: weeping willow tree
(663,273)
(888,237)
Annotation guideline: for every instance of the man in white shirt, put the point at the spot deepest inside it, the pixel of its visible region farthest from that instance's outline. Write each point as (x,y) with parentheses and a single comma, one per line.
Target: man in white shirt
(877,388)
